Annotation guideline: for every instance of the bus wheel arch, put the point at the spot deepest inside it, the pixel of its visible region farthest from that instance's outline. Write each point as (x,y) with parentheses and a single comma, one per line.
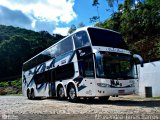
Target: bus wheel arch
(60,92)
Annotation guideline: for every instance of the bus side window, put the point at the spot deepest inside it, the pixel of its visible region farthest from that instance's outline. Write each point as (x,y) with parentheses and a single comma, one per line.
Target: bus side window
(64,72)
(81,39)
(86,67)
(44,77)
(81,67)
(53,77)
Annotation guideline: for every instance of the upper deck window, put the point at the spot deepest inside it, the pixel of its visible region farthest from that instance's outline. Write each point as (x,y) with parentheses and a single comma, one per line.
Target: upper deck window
(62,47)
(81,39)
(56,50)
(106,38)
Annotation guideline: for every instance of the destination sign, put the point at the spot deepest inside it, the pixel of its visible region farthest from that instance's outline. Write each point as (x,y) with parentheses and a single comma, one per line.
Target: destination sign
(110,49)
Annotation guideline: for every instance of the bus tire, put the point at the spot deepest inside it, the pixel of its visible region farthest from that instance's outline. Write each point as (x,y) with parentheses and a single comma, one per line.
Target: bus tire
(32,94)
(60,92)
(72,93)
(28,94)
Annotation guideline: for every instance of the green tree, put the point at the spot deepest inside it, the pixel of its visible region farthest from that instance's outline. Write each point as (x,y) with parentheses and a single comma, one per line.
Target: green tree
(13,53)
(95,18)
(72,29)
(80,25)
(139,23)
(17,45)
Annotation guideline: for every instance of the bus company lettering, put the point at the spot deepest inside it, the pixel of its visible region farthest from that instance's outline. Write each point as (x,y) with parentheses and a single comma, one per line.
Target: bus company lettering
(116,50)
(81,53)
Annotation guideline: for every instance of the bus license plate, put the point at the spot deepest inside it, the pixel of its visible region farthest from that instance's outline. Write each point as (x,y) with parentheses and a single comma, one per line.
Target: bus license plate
(121,91)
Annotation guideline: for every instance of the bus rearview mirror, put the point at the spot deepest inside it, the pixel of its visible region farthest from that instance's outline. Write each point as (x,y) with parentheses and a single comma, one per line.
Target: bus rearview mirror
(136,56)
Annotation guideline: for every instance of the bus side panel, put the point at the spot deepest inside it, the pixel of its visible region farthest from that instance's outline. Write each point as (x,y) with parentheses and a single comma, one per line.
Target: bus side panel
(28,82)
(42,89)
(86,87)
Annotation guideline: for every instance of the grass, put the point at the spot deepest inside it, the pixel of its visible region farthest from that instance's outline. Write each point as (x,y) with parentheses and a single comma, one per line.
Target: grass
(156,97)
(15,95)
(4,84)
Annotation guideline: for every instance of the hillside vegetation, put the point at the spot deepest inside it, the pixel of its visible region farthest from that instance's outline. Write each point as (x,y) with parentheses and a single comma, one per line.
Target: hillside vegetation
(140,25)
(11,87)
(18,45)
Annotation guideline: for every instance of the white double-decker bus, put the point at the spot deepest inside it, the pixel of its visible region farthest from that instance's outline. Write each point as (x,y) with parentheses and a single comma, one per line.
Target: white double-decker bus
(91,62)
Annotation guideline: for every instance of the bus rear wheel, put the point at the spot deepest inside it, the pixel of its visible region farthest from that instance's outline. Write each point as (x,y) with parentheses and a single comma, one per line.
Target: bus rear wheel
(60,93)
(28,94)
(32,95)
(72,94)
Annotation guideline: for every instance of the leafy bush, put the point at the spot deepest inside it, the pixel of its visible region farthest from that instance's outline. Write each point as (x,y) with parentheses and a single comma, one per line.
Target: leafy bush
(3,84)
(15,88)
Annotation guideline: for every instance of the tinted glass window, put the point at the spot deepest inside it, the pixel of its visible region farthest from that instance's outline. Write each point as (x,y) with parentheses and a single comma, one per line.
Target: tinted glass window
(66,45)
(86,66)
(36,61)
(100,37)
(62,47)
(113,66)
(43,77)
(64,72)
(81,39)
(59,73)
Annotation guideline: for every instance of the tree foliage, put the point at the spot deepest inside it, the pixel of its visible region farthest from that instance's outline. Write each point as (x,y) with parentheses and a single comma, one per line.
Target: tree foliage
(72,29)
(18,45)
(140,25)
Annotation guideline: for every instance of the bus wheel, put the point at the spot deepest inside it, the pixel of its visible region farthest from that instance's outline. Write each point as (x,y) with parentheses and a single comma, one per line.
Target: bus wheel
(72,94)
(60,93)
(28,94)
(104,98)
(32,95)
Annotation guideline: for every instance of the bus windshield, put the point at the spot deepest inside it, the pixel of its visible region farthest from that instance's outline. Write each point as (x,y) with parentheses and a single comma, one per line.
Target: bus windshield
(116,66)
(106,38)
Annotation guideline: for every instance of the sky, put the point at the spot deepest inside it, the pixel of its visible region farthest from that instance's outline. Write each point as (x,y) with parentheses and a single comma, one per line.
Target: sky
(54,16)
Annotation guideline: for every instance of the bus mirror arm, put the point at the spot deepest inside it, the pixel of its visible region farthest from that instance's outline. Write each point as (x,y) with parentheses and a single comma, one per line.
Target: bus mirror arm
(136,56)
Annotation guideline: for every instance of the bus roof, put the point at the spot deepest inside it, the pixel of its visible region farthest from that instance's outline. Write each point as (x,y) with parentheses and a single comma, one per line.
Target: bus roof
(86,28)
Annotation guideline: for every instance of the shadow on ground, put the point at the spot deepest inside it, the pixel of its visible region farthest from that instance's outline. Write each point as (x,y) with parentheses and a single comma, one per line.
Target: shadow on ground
(121,102)
(144,103)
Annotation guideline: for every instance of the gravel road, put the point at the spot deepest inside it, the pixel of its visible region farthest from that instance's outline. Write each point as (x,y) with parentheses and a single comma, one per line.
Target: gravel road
(123,107)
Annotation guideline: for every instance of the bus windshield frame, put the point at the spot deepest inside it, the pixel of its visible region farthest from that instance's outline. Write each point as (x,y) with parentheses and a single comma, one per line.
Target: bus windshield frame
(115,66)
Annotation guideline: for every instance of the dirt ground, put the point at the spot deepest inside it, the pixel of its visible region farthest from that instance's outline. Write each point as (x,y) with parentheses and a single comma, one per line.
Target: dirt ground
(122,107)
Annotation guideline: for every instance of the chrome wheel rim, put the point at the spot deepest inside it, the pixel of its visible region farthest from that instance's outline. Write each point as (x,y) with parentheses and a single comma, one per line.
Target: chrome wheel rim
(72,93)
(61,92)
